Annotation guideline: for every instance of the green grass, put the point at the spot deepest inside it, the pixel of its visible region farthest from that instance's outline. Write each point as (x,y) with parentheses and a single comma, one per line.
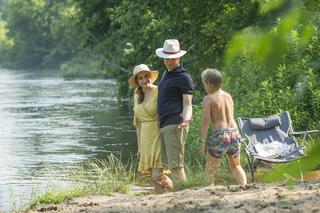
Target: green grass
(101,177)
(98,177)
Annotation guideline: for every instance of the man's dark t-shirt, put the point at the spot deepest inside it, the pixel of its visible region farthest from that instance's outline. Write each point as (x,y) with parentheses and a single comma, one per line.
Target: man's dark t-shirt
(172,86)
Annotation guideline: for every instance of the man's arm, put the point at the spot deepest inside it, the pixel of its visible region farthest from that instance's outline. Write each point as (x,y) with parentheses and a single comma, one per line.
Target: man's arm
(187,110)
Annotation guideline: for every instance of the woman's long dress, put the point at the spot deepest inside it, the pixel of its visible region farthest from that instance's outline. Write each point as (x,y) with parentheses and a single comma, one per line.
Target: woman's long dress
(146,114)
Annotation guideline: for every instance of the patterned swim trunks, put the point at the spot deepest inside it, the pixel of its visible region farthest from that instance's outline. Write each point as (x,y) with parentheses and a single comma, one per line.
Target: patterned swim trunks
(223,141)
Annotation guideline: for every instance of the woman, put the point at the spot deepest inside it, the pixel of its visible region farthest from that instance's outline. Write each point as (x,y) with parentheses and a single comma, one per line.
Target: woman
(147,127)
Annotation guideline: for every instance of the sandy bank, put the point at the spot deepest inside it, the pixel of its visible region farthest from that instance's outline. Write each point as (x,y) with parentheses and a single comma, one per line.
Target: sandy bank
(301,197)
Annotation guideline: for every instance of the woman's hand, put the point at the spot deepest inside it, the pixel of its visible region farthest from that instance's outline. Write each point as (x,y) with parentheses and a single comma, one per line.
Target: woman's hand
(138,154)
(202,148)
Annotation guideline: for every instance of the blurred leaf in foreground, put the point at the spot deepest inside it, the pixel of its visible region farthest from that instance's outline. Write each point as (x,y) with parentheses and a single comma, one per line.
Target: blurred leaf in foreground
(268,46)
(293,169)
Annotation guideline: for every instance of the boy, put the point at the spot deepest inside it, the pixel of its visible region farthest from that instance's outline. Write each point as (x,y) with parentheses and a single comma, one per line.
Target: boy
(218,109)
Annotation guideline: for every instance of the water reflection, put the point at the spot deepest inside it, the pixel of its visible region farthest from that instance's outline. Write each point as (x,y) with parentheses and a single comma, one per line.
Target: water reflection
(47,123)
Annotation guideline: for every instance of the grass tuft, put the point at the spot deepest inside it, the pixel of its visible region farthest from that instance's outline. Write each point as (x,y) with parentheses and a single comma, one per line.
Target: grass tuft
(97,177)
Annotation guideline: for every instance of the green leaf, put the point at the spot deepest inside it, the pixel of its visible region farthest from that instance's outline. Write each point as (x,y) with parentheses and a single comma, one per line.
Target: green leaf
(305,164)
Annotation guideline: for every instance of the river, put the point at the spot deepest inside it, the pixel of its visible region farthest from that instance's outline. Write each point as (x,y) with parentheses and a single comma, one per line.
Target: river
(48,123)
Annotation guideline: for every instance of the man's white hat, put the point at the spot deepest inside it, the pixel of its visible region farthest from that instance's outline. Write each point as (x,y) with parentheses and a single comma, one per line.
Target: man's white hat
(171,49)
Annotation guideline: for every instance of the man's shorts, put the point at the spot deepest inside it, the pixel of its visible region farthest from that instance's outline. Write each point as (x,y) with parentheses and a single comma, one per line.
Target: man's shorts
(223,141)
(173,140)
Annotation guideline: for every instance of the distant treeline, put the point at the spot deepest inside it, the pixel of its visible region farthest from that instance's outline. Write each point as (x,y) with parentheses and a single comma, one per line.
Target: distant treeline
(268,51)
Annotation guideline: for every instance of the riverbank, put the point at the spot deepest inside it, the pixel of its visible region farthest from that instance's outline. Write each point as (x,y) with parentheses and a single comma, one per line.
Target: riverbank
(299,197)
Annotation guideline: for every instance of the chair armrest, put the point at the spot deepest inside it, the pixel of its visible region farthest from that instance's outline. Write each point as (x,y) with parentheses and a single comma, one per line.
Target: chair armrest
(303,132)
(243,139)
(246,146)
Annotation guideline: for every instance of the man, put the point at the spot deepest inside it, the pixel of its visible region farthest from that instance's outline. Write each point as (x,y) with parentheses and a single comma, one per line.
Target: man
(174,107)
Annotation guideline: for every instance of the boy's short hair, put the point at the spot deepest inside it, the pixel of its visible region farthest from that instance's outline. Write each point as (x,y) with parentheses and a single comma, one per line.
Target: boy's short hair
(212,76)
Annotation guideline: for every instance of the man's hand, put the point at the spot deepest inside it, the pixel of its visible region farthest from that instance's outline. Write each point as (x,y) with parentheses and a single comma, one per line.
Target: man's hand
(185,123)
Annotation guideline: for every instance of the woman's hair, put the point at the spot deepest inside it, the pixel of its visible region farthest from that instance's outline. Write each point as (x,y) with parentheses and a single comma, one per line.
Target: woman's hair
(212,76)
(139,92)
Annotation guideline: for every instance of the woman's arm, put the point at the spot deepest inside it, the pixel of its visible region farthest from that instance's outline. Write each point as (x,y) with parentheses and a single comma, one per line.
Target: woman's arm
(138,131)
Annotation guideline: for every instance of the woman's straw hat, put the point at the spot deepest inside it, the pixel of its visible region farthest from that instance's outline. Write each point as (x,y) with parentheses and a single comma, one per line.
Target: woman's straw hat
(140,68)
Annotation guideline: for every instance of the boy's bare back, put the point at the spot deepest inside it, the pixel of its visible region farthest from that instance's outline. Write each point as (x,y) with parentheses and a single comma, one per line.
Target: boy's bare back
(218,106)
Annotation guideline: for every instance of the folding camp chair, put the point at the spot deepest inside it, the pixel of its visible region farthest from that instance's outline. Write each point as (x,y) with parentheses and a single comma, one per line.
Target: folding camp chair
(270,140)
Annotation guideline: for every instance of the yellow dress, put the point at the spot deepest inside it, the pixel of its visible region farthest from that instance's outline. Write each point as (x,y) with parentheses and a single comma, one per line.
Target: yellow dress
(146,114)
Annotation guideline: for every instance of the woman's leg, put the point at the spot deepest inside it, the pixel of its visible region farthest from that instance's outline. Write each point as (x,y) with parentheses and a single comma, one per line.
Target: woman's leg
(157,179)
(162,183)
(237,170)
(212,166)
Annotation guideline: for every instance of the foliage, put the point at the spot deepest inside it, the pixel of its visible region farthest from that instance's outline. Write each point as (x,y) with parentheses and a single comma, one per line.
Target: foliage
(5,42)
(270,80)
(203,28)
(289,83)
(49,33)
(309,163)
(42,32)
(83,66)
(99,177)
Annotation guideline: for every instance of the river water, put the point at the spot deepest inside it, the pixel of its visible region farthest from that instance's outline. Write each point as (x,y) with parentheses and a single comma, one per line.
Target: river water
(48,123)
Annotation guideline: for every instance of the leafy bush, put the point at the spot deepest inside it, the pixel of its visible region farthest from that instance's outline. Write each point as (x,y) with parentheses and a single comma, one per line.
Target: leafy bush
(293,85)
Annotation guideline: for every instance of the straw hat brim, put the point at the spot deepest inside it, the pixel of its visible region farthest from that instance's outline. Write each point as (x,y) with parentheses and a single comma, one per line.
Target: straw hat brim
(154,75)
(161,54)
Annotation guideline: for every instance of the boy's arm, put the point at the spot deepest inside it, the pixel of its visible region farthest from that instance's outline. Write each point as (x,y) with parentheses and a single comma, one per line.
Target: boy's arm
(205,120)
(187,111)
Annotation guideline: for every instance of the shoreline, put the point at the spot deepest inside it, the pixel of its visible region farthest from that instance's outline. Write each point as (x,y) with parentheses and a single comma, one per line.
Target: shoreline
(301,196)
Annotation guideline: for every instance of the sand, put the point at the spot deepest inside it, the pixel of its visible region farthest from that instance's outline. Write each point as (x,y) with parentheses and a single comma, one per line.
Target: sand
(299,197)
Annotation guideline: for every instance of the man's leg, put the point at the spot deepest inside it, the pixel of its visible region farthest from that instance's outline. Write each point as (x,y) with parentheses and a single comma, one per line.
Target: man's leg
(178,174)
(237,170)
(163,148)
(175,139)
(212,166)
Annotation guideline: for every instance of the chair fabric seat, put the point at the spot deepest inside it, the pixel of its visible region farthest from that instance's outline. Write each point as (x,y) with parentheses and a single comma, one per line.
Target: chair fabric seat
(273,149)
(294,156)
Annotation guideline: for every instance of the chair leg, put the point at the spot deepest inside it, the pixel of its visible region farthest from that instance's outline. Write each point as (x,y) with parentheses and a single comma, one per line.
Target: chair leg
(301,174)
(250,167)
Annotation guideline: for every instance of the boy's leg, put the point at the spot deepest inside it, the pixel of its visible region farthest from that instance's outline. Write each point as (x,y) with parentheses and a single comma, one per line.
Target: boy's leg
(212,166)
(237,170)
